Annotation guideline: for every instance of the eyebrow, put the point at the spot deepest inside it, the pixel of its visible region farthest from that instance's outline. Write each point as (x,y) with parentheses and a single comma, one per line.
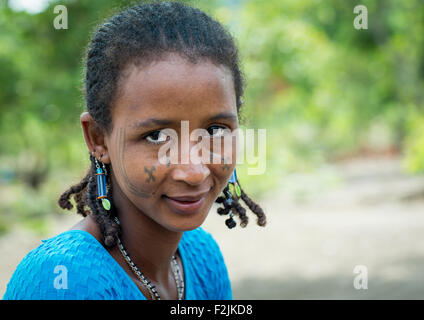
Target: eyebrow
(165,122)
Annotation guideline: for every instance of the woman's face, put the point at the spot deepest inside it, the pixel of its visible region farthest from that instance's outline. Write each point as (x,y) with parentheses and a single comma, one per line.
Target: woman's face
(159,97)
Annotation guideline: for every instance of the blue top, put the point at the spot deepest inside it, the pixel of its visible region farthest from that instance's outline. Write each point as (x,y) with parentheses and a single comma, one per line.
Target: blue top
(73,265)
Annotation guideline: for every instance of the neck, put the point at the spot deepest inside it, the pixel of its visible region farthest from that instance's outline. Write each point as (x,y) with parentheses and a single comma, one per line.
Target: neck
(149,245)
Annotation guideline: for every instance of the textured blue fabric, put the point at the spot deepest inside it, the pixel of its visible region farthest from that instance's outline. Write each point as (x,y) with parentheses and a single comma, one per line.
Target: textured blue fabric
(93,274)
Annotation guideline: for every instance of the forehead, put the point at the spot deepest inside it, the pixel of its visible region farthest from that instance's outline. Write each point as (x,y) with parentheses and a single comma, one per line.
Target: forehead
(174,88)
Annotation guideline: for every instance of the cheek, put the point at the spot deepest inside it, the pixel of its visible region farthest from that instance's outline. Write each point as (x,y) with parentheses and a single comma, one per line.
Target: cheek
(222,171)
(138,171)
(225,155)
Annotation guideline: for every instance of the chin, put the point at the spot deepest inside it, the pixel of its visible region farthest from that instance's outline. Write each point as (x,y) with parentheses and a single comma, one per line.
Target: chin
(181,223)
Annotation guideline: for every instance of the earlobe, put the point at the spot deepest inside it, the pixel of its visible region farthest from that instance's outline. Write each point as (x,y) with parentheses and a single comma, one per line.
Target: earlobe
(94,138)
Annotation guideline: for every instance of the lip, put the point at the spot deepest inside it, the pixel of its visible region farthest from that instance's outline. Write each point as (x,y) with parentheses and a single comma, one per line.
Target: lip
(189,196)
(193,197)
(185,204)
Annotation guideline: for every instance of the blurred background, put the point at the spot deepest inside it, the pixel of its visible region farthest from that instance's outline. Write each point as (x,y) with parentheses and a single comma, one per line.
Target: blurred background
(344,114)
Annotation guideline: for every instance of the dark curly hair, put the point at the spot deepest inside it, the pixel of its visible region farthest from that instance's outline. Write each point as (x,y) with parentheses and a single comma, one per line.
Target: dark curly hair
(142,34)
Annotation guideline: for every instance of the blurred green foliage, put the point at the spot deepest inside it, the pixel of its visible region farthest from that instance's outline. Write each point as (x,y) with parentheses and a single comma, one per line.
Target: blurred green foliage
(321,88)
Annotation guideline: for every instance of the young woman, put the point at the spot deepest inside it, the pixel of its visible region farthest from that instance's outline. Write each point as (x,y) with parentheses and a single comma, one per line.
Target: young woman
(147,69)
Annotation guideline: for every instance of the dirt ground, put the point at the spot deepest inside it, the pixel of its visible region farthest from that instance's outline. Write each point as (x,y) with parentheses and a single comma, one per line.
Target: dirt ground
(362,212)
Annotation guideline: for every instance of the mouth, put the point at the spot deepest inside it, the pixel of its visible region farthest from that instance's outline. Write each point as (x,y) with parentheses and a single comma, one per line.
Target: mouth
(185,204)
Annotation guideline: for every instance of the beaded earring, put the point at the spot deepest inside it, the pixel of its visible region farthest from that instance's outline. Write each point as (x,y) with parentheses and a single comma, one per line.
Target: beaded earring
(231,194)
(233,185)
(230,222)
(101,185)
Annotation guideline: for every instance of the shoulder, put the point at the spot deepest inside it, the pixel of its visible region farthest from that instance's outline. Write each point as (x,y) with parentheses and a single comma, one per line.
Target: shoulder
(62,267)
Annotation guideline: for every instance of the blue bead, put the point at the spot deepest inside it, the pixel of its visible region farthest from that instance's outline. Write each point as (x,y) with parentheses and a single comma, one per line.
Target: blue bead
(101,185)
(233,178)
(229,202)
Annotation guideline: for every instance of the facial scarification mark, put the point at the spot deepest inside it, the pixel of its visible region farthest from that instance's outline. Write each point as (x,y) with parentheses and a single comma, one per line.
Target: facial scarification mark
(150,173)
(121,168)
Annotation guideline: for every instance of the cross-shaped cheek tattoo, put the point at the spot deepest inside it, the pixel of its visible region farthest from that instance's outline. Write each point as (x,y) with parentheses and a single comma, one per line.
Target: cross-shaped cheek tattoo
(150,173)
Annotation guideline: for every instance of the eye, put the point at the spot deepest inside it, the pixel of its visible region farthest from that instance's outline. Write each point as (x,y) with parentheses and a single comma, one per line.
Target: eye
(157,137)
(218,131)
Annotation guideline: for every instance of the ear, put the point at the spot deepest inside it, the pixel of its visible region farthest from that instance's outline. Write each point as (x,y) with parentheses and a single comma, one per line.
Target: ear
(94,138)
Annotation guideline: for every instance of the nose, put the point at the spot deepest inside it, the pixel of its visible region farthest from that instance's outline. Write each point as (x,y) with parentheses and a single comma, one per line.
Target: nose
(193,173)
